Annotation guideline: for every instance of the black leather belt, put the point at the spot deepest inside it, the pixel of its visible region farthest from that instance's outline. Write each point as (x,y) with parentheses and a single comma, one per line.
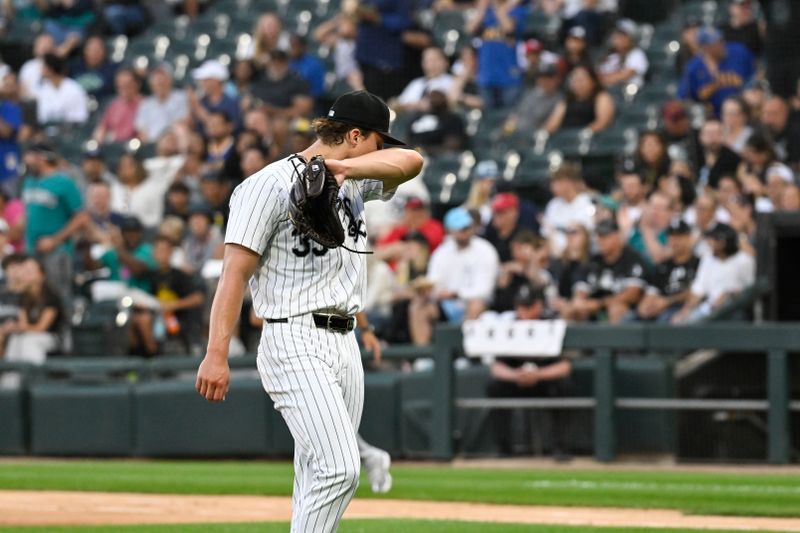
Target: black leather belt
(337,323)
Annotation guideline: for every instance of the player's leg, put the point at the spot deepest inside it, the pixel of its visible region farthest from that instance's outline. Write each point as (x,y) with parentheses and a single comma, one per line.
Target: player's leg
(307,392)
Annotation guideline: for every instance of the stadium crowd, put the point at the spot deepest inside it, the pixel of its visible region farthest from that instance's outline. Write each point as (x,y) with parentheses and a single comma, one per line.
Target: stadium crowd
(145,202)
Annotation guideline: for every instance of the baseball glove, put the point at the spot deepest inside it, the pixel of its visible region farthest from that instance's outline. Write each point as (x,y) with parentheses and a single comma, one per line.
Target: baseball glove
(312,204)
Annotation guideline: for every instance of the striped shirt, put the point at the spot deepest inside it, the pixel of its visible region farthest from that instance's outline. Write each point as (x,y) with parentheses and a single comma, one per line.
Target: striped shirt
(295,275)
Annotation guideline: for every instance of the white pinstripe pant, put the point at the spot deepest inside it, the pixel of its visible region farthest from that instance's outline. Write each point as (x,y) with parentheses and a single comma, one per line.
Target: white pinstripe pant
(316,380)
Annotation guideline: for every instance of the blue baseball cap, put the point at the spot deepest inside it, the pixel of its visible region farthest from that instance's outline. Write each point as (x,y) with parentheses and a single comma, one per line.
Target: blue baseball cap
(457,219)
(708,35)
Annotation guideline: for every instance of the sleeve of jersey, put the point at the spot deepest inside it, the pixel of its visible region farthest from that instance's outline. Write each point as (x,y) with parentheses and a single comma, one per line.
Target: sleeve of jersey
(256,209)
(373,190)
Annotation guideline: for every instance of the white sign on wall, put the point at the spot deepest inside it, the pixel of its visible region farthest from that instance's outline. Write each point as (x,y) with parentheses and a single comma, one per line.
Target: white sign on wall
(519,338)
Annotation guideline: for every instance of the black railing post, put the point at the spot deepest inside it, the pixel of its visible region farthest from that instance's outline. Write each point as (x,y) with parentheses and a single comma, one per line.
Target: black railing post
(778,417)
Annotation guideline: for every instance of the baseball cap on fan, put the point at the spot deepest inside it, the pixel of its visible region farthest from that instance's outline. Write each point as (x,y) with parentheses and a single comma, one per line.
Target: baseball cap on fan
(363,109)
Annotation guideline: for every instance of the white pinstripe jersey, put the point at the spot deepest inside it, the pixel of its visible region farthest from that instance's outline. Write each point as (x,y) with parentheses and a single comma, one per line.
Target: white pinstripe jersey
(296,275)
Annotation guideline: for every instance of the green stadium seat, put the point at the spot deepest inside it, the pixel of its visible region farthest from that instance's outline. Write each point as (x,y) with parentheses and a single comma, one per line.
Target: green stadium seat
(380,423)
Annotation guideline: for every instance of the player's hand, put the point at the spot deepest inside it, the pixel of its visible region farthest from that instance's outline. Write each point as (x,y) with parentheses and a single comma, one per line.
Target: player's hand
(213,379)
(372,344)
(338,169)
(527,377)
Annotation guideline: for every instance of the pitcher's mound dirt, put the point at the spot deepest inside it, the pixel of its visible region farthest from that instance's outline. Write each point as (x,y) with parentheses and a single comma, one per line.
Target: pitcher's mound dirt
(85,508)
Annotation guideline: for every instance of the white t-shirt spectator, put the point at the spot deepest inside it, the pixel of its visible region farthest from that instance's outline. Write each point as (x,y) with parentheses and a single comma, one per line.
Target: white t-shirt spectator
(30,77)
(469,272)
(66,103)
(153,116)
(418,88)
(716,276)
(560,214)
(145,201)
(635,60)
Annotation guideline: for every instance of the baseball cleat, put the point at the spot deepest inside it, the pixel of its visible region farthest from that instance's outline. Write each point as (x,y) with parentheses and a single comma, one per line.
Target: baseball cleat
(377,465)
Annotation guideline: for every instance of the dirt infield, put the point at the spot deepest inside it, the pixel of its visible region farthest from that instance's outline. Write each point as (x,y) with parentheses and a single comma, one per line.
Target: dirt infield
(45,508)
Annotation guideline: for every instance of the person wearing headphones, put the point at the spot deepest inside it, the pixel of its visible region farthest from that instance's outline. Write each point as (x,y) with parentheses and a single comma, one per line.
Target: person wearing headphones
(722,274)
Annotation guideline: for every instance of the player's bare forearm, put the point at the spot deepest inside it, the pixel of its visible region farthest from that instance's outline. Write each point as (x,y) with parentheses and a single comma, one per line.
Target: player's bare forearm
(238,266)
(393,166)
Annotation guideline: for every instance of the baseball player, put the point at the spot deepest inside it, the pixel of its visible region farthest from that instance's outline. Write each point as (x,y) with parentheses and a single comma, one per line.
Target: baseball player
(308,296)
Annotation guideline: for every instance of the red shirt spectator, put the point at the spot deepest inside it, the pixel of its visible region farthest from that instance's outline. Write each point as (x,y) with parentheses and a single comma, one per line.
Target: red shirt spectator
(416,217)
(119,118)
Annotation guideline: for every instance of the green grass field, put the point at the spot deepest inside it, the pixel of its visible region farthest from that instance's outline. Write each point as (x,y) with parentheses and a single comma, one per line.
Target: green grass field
(360,526)
(695,492)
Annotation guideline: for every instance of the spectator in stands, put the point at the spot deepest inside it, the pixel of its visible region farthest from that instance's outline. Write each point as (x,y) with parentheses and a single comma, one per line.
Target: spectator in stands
(59,98)
(464,92)
(669,281)
(570,266)
(416,95)
(180,298)
(779,178)
(507,220)
(416,219)
(499,24)
(168,159)
(652,159)
(204,241)
(626,63)
(101,219)
(221,144)
(736,123)
(586,104)
(31,73)
(254,159)
(306,65)
(585,14)
(12,212)
(462,273)
(215,189)
(479,200)
(758,157)
(677,130)
(612,284)
(742,211)
(93,71)
(714,158)
(282,92)
(177,202)
(35,333)
(570,204)
(67,21)
(379,43)
(721,275)
(526,377)
(10,124)
(124,17)
(537,102)
(53,213)
(132,255)
(783,130)
(118,121)
(267,36)
(437,130)
(243,75)
(720,70)
(211,76)
(649,237)
(164,107)
(633,196)
(576,48)
(136,194)
(339,34)
(703,216)
(790,201)
(526,265)
(743,27)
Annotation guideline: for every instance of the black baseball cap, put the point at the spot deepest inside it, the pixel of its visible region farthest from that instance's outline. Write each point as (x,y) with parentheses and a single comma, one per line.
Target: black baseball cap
(363,109)
(606,226)
(528,295)
(679,227)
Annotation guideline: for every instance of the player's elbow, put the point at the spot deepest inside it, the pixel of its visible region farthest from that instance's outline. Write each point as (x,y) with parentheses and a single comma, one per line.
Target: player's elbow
(412,163)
